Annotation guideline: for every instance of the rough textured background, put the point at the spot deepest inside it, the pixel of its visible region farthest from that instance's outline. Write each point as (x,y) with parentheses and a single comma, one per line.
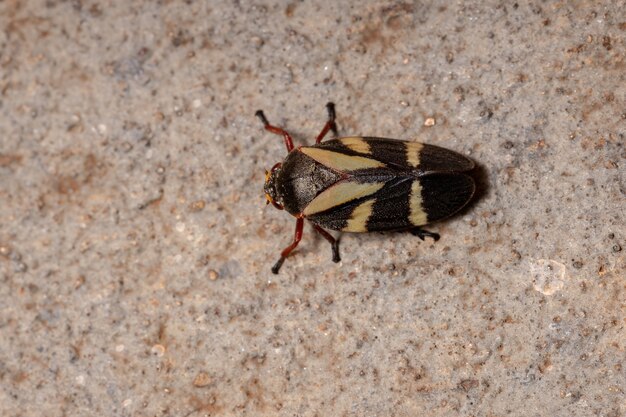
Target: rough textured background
(135,245)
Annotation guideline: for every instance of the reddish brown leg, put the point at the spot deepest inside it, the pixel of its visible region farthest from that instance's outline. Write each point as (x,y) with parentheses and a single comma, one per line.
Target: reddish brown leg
(276,130)
(330,124)
(334,243)
(288,249)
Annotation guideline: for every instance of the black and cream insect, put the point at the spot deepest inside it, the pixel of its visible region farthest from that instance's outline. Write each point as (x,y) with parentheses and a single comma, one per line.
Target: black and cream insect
(366,184)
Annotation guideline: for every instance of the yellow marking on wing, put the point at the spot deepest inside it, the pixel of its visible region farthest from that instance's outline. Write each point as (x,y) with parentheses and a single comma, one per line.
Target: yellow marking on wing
(357,144)
(339,161)
(417,216)
(413,150)
(358,220)
(341,193)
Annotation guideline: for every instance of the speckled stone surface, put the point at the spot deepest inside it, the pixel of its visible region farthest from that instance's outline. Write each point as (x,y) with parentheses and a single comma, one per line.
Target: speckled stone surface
(135,244)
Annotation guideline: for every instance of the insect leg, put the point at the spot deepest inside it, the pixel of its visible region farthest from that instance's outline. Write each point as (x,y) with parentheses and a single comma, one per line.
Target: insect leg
(334,243)
(421,233)
(296,239)
(330,124)
(276,130)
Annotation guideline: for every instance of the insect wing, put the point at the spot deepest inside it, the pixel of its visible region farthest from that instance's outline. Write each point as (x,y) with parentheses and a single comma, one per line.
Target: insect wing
(396,184)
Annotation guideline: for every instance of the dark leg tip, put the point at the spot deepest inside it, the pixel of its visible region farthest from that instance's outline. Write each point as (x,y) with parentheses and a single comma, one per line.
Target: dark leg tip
(261,115)
(277,265)
(422,234)
(336,257)
(330,106)
(416,233)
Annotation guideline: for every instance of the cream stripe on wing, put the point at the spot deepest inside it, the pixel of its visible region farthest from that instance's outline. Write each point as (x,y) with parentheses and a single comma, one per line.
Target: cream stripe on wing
(417,216)
(413,150)
(357,144)
(339,161)
(341,193)
(358,219)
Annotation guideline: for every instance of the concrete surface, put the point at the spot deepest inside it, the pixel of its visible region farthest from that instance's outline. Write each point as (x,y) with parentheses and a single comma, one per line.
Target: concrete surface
(135,244)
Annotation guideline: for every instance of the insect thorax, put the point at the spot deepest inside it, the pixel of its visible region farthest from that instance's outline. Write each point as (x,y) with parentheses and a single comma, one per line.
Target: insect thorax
(300,180)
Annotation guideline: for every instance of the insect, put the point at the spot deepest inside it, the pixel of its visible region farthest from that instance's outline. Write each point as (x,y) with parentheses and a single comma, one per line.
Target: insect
(365,184)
